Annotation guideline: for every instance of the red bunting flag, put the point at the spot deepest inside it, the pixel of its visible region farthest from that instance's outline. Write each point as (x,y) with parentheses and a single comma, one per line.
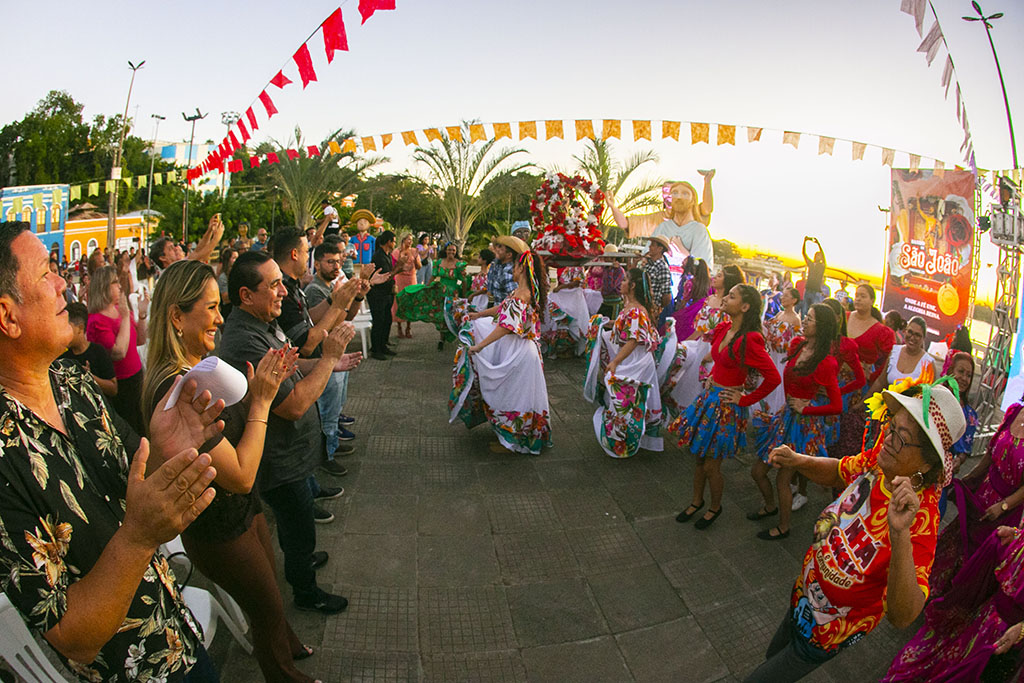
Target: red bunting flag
(272,158)
(254,162)
(268,104)
(305,64)
(335,37)
(235,144)
(280,80)
(368,7)
(313,151)
(292,154)
(244,131)
(252,119)
(235,166)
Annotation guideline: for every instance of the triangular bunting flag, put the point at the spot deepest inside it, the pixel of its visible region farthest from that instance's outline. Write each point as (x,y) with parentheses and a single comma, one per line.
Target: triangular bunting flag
(916,9)
(476,132)
(915,162)
(454,133)
(726,134)
(244,131)
(552,129)
(502,130)
(37,201)
(268,104)
(670,129)
(172,176)
(887,155)
(254,162)
(94,188)
(368,7)
(349,146)
(312,151)
(305,64)
(143,181)
(947,74)
(272,158)
(409,138)
(825,145)
(57,196)
(334,147)
(432,134)
(127,181)
(931,43)
(17,204)
(158,178)
(109,186)
(584,129)
(611,128)
(699,132)
(235,144)
(791,138)
(280,80)
(252,119)
(641,130)
(527,129)
(293,154)
(858,151)
(386,138)
(940,168)
(369,145)
(235,166)
(76,193)
(334,35)
(753,134)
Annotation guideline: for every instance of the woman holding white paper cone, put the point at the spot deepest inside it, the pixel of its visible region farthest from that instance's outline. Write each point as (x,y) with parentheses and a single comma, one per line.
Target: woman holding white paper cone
(229,542)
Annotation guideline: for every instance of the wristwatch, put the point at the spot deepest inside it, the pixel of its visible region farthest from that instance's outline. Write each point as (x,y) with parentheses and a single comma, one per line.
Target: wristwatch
(1004,506)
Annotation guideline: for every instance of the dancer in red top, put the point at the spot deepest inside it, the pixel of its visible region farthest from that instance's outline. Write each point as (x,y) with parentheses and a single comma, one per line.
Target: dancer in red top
(874,342)
(714,426)
(851,372)
(810,371)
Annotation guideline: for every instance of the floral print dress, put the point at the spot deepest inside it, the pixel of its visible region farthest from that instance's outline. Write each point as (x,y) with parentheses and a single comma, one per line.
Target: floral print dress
(503,383)
(628,416)
(564,327)
(426,302)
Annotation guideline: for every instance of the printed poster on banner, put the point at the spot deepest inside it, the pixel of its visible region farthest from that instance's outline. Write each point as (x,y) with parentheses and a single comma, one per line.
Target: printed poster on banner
(929,248)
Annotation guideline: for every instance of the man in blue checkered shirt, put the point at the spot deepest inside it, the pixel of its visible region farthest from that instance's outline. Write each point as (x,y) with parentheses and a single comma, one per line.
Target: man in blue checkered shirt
(658,276)
(500,283)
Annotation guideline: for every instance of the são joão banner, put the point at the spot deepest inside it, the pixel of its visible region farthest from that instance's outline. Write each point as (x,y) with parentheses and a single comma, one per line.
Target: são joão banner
(929,248)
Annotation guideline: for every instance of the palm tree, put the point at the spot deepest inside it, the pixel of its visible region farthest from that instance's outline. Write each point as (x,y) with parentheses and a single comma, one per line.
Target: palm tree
(306,180)
(598,164)
(458,171)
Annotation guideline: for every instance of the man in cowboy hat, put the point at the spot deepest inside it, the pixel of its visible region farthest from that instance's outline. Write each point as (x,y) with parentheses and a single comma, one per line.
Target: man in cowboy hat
(500,282)
(658,276)
(363,241)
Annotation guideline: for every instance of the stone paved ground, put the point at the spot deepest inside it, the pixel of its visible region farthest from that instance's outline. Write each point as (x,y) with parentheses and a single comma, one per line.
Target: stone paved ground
(464,565)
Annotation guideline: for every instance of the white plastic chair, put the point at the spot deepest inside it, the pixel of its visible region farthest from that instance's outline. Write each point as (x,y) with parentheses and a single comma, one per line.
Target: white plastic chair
(206,607)
(362,322)
(20,649)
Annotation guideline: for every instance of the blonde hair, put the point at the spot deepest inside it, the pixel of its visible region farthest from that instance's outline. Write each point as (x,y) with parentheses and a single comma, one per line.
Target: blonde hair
(99,288)
(180,286)
(704,218)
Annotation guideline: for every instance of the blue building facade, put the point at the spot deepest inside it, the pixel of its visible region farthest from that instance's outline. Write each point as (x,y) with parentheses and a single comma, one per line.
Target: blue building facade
(44,207)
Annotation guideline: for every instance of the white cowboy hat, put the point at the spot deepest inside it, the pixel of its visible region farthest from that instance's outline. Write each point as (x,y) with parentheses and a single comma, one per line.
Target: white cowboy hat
(944,424)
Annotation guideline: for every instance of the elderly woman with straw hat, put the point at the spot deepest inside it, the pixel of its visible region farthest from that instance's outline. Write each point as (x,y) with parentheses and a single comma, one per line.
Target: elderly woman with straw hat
(874,545)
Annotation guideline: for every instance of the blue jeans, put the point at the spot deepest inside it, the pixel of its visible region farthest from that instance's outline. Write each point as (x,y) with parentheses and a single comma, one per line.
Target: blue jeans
(292,504)
(330,404)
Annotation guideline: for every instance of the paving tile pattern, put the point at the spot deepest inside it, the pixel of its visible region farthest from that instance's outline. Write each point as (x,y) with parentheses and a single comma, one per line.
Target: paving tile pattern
(461,564)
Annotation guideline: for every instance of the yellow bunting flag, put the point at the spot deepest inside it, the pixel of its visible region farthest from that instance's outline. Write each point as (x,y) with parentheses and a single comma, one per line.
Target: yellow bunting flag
(334,147)
(552,129)
(887,155)
(109,186)
(753,134)
(369,145)
(127,181)
(76,193)
(143,181)
(699,132)
(1016,173)
(726,135)
(611,128)
(94,188)
(940,169)
(172,176)
(527,129)
(915,162)
(825,145)
(58,196)
(158,179)
(454,133)
(584,129)
(858,151)
(17,204)
(502,130)
(791,138)
(385,140)
(349,145)
(641,130)
(670,129)
(37,201)
(409,138)
(476,132)
(432,134)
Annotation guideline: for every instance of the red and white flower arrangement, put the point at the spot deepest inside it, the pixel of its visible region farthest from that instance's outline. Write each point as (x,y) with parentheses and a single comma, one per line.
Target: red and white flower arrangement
(565,225)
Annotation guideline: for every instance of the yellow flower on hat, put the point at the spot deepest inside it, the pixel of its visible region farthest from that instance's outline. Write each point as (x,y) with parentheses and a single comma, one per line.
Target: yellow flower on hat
(876,403)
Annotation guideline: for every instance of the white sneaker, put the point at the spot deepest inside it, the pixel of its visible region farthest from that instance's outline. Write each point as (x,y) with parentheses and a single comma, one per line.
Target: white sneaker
(799,500)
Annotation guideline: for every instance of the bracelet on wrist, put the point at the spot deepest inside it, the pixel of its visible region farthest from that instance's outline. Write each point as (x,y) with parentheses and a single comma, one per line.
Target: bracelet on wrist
(257,419)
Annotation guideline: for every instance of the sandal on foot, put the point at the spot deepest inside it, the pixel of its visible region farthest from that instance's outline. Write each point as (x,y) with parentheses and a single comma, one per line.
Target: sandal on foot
(762,513)
(767,534)
(305,653)
(705,522)
(685,515)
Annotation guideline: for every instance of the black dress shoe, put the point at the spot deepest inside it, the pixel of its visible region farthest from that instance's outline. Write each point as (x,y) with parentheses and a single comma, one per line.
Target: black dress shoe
(329,493)
(334,467)
(319,559)
(704,522)
(322,602)
(389,352)
(685,516)
(378,356)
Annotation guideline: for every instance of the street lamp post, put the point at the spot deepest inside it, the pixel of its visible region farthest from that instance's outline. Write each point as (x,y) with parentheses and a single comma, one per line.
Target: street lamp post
(115,171)
(228,118)
(1006,102)
(152,161)
(191,138)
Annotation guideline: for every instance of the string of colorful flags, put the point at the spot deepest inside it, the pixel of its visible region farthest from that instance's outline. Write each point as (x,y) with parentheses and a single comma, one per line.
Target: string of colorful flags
(335,40)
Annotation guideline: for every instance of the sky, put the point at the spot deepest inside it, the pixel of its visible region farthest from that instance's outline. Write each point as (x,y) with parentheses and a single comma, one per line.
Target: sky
(842,69)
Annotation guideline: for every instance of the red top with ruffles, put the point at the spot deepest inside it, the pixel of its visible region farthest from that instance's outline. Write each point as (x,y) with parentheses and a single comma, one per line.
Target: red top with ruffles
(848,355)
(825,376)
(873,345)
(729,372)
